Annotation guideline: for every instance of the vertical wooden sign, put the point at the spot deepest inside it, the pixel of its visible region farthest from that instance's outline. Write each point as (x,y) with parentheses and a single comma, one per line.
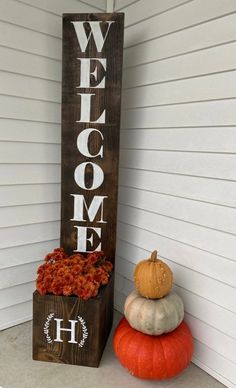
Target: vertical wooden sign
(69,329)
(91,100)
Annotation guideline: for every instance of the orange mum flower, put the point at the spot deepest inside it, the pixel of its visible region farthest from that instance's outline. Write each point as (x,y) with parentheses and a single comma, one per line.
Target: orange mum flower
(73,275)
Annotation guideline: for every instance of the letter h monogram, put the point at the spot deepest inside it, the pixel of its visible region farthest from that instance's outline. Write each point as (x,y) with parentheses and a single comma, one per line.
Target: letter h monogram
(59,329)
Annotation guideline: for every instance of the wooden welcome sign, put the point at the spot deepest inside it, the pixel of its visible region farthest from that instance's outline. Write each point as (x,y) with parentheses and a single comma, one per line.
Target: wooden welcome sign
(68,329)
(91,95)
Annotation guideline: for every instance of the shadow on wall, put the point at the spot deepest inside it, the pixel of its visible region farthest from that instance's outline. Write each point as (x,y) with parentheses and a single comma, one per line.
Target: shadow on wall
(128,60)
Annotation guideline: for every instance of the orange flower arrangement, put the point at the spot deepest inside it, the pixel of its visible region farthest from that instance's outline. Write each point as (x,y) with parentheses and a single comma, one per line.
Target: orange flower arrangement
(73,275)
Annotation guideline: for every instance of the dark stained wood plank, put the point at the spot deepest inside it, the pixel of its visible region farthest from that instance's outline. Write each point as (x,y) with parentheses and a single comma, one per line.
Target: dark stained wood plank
(108,98)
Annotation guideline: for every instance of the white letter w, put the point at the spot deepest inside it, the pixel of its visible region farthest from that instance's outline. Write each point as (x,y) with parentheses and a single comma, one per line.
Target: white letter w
(95,29)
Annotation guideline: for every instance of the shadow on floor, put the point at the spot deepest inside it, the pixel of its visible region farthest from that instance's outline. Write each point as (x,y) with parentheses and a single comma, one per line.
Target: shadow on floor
(18,370)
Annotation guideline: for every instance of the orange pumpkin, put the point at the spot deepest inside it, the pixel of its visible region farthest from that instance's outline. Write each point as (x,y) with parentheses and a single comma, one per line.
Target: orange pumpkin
(153,278)
(153,357)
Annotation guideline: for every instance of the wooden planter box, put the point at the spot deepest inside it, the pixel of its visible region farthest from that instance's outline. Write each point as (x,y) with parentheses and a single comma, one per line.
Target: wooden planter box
(87,325)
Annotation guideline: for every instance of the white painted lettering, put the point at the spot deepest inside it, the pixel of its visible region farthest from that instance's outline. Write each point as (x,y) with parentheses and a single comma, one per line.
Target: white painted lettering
(85,72)
(95,30)
(92,210)
(83,238)
(85,109)
(79,176)
(83,141)
(59,329)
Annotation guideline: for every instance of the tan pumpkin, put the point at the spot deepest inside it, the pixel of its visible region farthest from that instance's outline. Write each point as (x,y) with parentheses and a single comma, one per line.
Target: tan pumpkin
(154,317)
(152,277)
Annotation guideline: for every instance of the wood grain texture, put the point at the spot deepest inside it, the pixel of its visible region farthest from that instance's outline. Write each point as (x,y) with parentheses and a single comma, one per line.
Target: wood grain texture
(108,98)
(97,314)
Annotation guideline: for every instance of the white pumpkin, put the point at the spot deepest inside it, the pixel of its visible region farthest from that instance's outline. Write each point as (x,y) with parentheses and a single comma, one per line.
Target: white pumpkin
(154,316)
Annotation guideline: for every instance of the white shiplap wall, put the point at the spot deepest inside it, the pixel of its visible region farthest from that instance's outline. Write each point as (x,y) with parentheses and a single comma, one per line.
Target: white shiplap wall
(30,92)
(178,144)
(178,163)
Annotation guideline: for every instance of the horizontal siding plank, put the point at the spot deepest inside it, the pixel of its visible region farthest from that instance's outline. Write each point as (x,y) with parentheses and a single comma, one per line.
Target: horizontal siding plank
(119,280)
(14,315)
(16,195)
(212,60)
(28,234)
(220,342)
(123,284)
(119,295)
(30,41)
(209,215)
(69,6)
(14,174)
(18,255)
(218,166)
(213,338)
(29,64)
(20,274)
(16,294)
(29,214)
(215,364)
(21,14)
(19,152)
(119,301)
(215,32)
(101,4)
(29,131)
(222,139)
(27,109)
(198,114)
(140,241)
(119,4)
(201,189)
(212,87)
(194,12)
(34,18)
(136,12)
(214,315)
(14,85)
(210,240)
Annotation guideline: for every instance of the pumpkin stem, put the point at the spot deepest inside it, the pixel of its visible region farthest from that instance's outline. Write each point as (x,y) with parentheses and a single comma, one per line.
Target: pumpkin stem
(153,256)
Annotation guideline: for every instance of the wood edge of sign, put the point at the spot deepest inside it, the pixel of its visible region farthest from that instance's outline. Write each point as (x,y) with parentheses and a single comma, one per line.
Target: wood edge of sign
(92,13)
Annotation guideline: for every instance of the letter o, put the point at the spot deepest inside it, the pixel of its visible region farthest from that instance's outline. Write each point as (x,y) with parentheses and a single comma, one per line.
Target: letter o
(79,176)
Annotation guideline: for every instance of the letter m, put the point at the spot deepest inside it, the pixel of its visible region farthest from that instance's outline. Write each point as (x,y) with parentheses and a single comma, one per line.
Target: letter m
(95,30)
(80,204)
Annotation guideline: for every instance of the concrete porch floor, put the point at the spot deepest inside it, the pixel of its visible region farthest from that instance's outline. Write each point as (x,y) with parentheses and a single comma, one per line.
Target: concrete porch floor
(18,370)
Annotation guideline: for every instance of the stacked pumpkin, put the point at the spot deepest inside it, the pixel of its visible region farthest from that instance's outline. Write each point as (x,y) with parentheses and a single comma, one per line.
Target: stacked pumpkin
(153,341)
